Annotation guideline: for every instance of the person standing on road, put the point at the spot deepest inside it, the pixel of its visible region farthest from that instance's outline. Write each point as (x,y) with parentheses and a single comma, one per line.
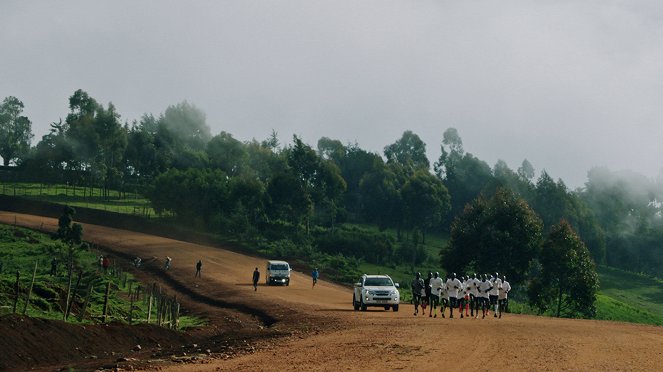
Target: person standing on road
(503,299)
(256,278)
(417,287)
(166,264)
(453,285)
(483,289)
(199,265)
(315,274)
(436,285)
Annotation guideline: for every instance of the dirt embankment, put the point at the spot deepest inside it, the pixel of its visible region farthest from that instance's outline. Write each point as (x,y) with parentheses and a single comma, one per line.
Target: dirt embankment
(303,328)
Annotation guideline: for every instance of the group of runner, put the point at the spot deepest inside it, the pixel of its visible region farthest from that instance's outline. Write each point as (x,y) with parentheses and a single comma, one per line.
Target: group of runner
(466,293)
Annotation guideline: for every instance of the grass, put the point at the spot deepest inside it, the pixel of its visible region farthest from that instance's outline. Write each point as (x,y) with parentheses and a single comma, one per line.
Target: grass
(78,196)
(21,248)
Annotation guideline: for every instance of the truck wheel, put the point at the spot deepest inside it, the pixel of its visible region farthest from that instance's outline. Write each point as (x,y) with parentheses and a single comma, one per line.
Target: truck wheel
(287,282)
(395,308)
(386,307)
(355,304)
(363,305)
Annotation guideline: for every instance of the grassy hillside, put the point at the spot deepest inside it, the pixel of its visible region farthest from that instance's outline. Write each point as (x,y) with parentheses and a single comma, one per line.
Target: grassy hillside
(629,297)
(21,248)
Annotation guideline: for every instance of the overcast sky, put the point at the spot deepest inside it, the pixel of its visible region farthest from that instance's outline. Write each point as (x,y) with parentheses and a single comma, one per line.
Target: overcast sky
(567,85)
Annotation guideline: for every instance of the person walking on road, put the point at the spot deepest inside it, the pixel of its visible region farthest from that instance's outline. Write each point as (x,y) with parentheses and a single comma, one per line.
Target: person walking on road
(256,278)
(417,287)
(427,288)
(472,287)
(199,265)
(315,275)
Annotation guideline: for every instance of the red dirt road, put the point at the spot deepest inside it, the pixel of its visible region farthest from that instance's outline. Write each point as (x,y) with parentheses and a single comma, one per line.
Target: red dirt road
(322,332)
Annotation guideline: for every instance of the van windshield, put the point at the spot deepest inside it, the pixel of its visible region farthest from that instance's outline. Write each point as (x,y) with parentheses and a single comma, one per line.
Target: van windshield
(378,282)
(278,267)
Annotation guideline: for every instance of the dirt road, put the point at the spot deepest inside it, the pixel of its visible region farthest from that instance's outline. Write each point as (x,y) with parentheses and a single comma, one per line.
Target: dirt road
(329,335)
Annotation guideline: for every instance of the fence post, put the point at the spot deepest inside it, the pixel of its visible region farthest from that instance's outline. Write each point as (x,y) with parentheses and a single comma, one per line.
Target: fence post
(81,316)
(32,283)
(73,295)
(149,304)
(18,276)
(108,285)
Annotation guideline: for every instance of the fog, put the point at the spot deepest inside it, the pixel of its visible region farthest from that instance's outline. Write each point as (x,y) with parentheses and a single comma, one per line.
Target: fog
(567,85)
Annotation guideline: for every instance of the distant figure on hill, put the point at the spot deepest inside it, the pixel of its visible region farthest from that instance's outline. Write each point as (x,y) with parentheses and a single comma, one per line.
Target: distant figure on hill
(256,278)
(315,274)
(166,265)
(199,265)
(138,261)
(105,263)
(54,267)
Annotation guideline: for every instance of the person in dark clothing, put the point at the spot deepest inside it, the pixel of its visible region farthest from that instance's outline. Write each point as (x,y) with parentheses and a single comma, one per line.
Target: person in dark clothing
(199,265)
(417,287)
(54,266)
(256,278)
(427,287)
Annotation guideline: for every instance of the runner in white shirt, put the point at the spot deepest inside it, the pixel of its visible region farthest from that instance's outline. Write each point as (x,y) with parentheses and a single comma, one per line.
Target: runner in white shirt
(453,286)
(495,292)
(483,288)
(463,296)
(503,299)
(474,293)
(444,297)
(436,285)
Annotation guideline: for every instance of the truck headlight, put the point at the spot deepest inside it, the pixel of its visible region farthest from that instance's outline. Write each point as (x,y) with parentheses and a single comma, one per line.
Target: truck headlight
(370,293)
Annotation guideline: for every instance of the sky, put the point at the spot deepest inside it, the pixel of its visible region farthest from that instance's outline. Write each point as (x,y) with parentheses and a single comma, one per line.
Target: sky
(567,85)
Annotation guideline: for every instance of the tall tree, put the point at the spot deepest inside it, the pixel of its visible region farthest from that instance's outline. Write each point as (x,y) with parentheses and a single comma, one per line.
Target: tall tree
(501,233)
(425,201)
(188,123)
(408,151)
(226,153)
(568,281)
(15,131)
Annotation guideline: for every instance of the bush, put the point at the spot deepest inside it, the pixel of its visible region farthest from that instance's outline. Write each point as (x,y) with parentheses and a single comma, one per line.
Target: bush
(370,246)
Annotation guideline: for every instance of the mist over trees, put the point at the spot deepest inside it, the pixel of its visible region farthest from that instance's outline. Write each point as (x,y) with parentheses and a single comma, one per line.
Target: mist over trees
(271,187)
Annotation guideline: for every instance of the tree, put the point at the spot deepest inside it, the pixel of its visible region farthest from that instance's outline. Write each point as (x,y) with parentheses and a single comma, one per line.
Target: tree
(526,171)
(568,279)
(189,125)
(226,153)
(408,151)
(15,131)
(425,201)
(381,200)
(501,233)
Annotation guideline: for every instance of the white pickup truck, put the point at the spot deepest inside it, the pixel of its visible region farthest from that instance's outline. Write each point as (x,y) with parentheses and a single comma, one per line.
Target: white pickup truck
(377,291)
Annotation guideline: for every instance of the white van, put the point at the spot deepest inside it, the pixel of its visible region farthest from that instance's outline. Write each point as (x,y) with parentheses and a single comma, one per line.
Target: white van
(277,272)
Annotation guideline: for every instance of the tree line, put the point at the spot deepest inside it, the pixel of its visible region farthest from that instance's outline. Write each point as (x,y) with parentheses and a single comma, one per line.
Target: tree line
(262,188)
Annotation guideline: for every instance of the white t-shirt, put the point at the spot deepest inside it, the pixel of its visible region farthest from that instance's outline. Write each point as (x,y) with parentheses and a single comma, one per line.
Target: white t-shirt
(473,283)
(497,283)
(506,287)
(483,288)
(436,285)
(453,285)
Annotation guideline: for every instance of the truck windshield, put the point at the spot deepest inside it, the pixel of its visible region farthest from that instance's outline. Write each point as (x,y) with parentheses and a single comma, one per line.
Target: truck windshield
(378,282)
(278,267)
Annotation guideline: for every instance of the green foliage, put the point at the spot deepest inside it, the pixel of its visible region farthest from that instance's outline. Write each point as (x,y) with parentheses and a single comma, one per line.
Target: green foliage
(501,233)
(354,242)
(568,281)
(409,151)
(15,131)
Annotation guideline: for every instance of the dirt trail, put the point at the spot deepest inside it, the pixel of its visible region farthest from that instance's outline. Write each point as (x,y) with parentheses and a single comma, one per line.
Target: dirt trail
(328,335)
